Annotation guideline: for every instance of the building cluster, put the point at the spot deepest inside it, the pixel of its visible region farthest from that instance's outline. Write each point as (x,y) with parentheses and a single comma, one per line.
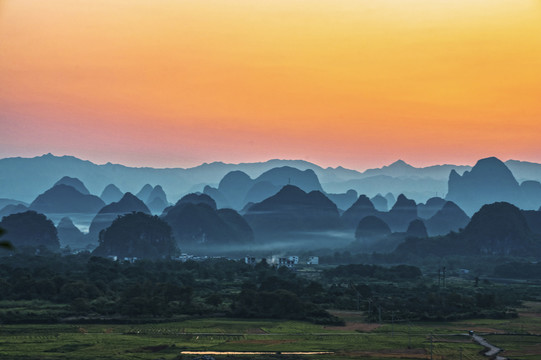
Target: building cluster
(279,261)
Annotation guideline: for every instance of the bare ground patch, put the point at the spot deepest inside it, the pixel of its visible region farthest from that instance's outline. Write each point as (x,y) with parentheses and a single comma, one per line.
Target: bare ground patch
(354,321)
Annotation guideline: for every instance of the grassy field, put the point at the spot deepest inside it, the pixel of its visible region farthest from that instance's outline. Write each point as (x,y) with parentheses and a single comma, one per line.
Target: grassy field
(519,337)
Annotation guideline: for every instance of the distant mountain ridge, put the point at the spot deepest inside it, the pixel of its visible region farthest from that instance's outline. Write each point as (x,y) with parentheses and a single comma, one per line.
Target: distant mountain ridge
(25,178)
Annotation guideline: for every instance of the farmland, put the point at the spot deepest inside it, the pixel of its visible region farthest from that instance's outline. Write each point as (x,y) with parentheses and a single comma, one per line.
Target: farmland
(519,337)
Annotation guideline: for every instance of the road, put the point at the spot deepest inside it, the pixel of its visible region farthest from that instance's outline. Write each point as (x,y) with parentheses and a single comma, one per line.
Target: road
(492,350)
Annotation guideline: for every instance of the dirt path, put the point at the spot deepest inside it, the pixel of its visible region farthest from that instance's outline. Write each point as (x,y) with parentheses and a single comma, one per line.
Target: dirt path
(492,350)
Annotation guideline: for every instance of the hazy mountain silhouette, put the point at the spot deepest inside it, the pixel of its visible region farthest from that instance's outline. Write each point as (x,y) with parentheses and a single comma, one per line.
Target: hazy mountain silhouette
(344,201)
(401,169)
(70,235)
(157,205)
(111,193)
(391,200)
(30,229)
(25,178)
(234,187)
(237,189)
(292,212)
(499,229)
(491,181)
(362,208)
(157,193)
(157,200)
(402,213)
(197,199)
(419,189)
(106,215)
(260,191)
(4,202)
(430,208)
(496,229)
(372,227)
(65,199)
(449,218)
(417,229)
(144,193)
(488,181)
(196,223)
(137,235)
(75,183)
(380,203)
(217,196)
(524,170)
(12,209)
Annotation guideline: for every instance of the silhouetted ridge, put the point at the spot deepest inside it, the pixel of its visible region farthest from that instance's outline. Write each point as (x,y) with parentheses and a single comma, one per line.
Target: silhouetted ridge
(380,203)
(111,194)
(372,227)
(243,231)
(430,208)
(129,203)
(75,183)
(292,212)
(496,229)
(157,193)
(197,199)
(197,224)
(306,180)
(417,229)
(64,199)
(402,213)
(488,181)
(12,209)
(69,234)
(137,235)
(449,218)
(344,201)
(260,191)
(30,229)
(234,187)
(500,229)
(360,209)
(144,193)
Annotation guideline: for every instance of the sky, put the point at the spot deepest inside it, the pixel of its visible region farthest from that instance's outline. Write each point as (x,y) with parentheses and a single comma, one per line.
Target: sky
(356,83)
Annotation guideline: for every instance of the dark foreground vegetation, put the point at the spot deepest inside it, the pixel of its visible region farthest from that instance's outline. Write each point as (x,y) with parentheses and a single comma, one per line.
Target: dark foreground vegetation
(52,288)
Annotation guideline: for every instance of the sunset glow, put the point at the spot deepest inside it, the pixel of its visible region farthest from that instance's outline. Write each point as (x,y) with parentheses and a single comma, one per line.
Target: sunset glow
(352,83)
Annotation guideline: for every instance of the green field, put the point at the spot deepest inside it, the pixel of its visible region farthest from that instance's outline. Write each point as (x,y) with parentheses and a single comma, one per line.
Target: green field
(520,337)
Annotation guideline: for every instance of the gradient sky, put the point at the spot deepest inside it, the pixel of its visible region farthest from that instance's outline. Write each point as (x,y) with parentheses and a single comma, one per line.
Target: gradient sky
(355,83)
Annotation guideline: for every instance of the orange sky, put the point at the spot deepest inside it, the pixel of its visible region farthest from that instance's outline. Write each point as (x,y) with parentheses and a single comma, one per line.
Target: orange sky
(345,82)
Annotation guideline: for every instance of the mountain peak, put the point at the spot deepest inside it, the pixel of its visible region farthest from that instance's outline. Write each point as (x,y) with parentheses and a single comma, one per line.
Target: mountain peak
(400,164)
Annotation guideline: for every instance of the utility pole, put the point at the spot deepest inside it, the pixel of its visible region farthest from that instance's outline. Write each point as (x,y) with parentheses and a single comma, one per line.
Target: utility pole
(369,310)
(431,347)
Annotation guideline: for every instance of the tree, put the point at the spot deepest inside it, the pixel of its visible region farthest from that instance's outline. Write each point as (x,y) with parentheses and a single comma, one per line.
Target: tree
(5,244)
